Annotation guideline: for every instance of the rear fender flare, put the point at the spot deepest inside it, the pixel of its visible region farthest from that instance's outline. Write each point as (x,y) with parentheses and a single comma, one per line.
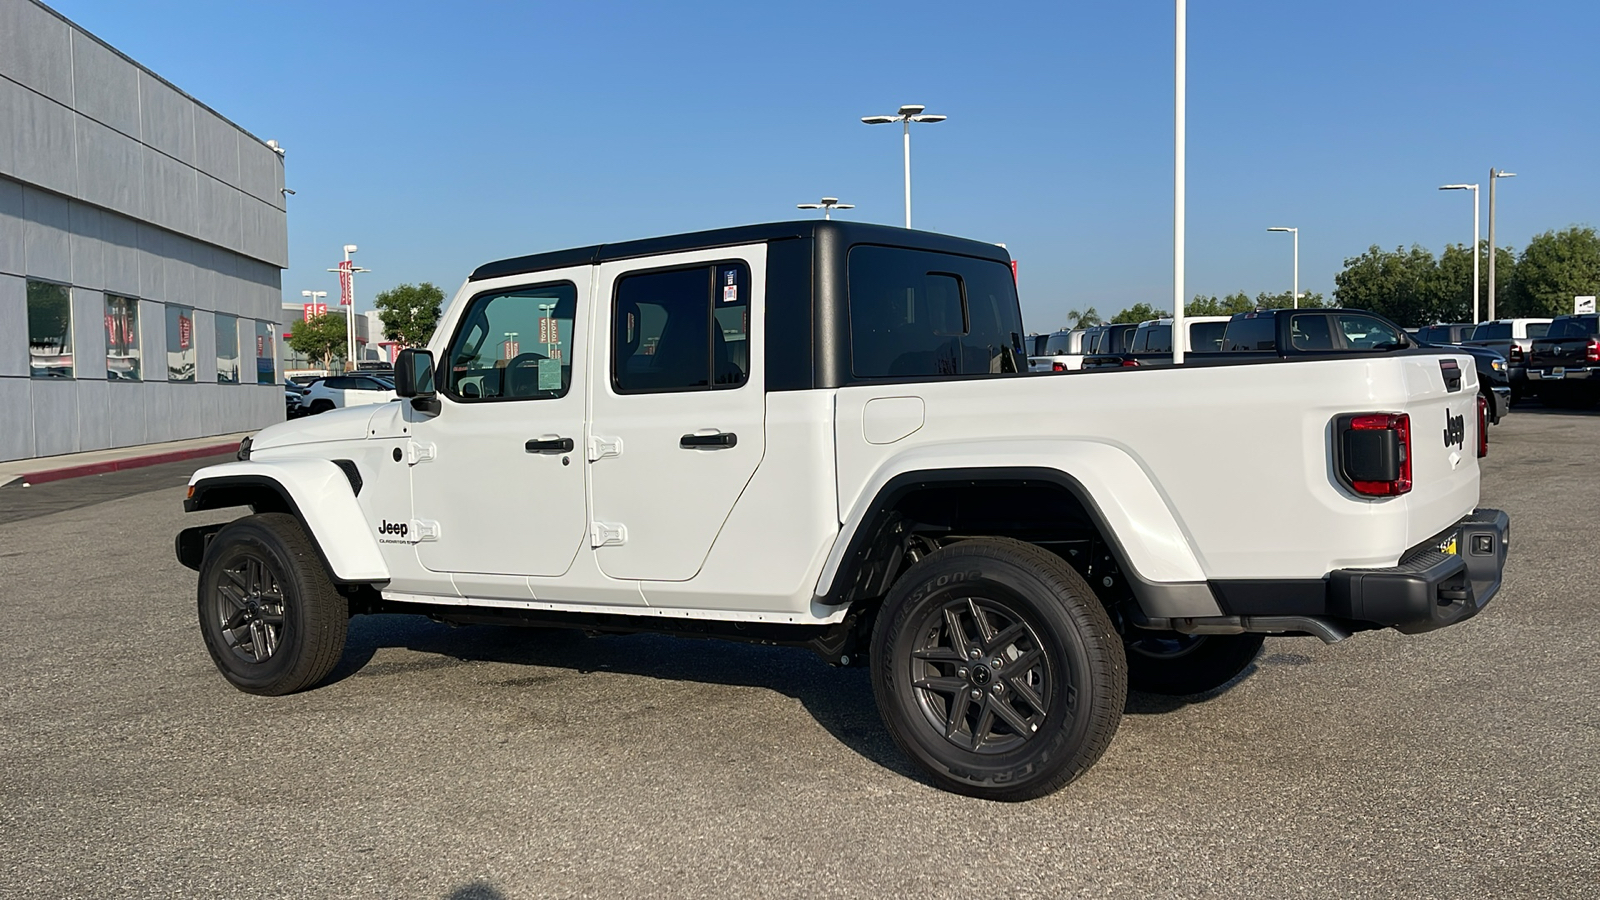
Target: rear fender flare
(317,492)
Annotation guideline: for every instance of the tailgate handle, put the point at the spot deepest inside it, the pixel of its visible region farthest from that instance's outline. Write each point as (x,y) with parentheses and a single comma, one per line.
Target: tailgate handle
(1452,374)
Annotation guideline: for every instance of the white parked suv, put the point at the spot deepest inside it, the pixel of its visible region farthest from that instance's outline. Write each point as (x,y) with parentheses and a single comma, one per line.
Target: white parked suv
(823,434)
(340,391)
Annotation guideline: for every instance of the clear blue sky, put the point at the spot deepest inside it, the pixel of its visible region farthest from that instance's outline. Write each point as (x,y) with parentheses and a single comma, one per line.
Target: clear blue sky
(441,135)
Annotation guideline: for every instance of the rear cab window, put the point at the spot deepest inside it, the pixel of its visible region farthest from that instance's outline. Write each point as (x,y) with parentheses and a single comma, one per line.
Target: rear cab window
(1250,332)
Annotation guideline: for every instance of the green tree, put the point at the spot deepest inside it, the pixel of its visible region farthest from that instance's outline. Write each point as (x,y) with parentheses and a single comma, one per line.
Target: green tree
(1555,267)
(410,312)
(1138,312)
(1084,319)
(1285,300)
(1400,284)
(321,339)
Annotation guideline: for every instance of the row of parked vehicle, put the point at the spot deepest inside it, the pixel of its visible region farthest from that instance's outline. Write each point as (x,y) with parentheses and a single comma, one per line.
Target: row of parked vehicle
(1258,335)
(307,395)
(1556,359)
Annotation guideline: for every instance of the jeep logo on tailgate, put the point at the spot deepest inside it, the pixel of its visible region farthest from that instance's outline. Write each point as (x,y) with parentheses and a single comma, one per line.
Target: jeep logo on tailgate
(1455,429)
(388,527)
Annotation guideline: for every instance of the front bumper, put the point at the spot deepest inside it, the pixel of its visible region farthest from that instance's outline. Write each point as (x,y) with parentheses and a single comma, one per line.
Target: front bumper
(1499,403)
(1432,587)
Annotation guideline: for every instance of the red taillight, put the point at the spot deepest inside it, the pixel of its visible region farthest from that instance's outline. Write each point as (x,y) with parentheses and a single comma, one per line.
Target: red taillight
(1516,353)
(1130,363)
(1483,426)
(1591,353)
(1377,453)
(1058,367)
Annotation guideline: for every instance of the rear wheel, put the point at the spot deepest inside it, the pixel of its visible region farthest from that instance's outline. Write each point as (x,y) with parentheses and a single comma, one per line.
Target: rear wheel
(320,406)
(270,616)
(997,671)
(1166,662)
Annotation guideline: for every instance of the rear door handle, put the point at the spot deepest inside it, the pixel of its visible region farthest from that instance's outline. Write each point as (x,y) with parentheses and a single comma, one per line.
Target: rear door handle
(708,441)
(550,445)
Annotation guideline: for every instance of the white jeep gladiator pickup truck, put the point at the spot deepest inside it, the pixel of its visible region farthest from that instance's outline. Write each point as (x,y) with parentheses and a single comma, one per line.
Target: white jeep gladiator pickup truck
(817,434)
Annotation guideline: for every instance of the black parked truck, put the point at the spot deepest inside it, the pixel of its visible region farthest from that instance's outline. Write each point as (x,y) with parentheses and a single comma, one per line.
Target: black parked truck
(1565,363)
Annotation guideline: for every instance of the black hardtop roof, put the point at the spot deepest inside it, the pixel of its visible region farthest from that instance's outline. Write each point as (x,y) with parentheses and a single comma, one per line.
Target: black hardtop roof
(846,233)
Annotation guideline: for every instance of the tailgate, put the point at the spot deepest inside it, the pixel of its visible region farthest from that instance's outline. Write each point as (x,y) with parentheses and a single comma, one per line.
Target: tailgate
(1559,352)
(1444,444)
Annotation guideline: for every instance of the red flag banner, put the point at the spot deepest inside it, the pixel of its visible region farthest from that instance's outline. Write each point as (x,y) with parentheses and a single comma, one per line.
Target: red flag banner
(344,283)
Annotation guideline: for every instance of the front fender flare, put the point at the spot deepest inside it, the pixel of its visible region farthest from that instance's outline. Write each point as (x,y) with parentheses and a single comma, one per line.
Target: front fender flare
(318,493)
(1106,479)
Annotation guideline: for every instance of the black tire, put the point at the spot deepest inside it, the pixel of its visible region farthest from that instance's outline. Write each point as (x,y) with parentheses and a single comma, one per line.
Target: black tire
(269,614)
(1044,715)
(320,406)
(1166,662)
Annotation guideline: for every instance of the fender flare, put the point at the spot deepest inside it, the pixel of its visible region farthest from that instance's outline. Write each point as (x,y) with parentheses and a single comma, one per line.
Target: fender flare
(1116,493)
(321,493)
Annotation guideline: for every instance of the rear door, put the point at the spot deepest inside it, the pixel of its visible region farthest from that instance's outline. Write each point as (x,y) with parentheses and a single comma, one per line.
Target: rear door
(677,406)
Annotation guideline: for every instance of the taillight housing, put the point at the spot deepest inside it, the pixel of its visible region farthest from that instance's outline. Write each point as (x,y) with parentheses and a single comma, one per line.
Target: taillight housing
(1130,364)
(1483,426)
(1058,367)
(1516,353)
(1374,453)
(1591,353)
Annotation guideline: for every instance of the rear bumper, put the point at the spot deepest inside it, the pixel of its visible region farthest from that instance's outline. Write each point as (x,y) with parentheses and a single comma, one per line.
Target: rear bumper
(1499,403)
(1429,589)
(1579,374)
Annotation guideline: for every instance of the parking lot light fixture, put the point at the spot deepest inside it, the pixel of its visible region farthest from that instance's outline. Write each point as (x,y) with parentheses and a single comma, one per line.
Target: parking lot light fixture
(1296,233)
(908,113)
(827,205)
(1474,189)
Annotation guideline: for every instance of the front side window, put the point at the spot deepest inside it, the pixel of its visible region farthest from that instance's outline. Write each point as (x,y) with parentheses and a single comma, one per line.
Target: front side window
(227,349)
(49,330)
(1369,333)
(266,354)
(180,344)
(514,345)
(122,338)
(681,329)
(919,314)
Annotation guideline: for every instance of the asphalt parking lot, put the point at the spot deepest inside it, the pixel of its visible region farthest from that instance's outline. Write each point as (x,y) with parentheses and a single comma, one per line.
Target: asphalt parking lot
(501,763)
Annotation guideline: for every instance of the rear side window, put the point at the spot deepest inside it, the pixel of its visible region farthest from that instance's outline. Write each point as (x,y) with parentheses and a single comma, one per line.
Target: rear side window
(1494,331)
(1059,344)
(1538,329)
(681,329)
(1310,332)
(1206,337)
(1253,333)
(919,314)
(1154,339)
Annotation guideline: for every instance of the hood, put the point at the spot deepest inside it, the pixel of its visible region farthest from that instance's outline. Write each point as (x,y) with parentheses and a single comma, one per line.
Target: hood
(334,425)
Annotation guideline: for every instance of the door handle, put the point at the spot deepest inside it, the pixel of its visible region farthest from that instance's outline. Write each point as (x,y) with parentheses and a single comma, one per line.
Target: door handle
(550,445)
(708,441)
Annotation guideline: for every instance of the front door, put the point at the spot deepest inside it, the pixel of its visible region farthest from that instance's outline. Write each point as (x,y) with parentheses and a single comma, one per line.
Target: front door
(678,406)
(498,474)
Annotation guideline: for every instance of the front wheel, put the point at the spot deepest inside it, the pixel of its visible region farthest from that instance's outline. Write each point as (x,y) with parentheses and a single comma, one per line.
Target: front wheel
(997,671)
(1166,662)
(270,616)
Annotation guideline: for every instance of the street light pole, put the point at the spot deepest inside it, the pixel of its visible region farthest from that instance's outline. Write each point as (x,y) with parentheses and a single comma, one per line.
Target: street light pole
(348,271)
(1474,188)
(1296,232)
(910,112)
(1494,175)
(1180,103)
(828,205)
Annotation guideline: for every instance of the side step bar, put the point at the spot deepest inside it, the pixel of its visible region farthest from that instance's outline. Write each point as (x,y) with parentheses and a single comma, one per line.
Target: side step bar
(1321,628)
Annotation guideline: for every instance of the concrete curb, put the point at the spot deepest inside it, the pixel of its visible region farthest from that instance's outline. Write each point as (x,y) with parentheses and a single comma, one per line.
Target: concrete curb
(116,465)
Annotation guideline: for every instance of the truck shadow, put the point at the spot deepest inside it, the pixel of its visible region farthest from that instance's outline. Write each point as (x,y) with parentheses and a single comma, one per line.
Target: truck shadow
(838,699)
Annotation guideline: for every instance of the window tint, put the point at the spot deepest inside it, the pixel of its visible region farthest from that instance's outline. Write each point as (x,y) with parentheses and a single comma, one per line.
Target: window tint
(1253,333)
(1206,337)
(681,329)
(916,313)
(49,330)
(122,338)
(1310,332)
(1058,344)
(1369,333)
(1153,339)
(227,349)
(180,343)
(513,344)
(1492,331)
(1122,338)
(266,354)
(1536,329)
(1572,327)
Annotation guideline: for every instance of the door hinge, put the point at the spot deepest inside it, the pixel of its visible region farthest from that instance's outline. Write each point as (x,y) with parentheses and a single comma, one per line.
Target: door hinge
(425,529)
(418,452)
(607,534)
(602,447)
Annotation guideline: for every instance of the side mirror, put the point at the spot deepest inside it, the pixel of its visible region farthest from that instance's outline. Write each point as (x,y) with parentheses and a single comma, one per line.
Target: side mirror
(413,378)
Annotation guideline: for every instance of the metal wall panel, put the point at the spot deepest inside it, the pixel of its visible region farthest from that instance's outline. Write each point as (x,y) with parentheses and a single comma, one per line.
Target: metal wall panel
(88,250)
(158,408)
(169,192)
(11,230)
(48,251)
(125,410)
(219,216)
(16,403)
(88,333)
(258,171)
(94,415)
(166,118)
(55,416)
(216,145)
(105,86)
(13,338)
(120,253)
(152,258)
(41,135)
(35,50)
(205,347)
(110,173)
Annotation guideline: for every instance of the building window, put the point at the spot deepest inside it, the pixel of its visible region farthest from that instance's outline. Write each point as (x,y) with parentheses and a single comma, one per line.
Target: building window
(122,338)
(266,355)
(49,330)
(227,349)
(180,343)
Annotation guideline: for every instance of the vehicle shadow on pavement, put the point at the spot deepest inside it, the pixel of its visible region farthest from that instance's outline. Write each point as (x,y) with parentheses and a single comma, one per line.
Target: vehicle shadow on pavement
(839,699)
